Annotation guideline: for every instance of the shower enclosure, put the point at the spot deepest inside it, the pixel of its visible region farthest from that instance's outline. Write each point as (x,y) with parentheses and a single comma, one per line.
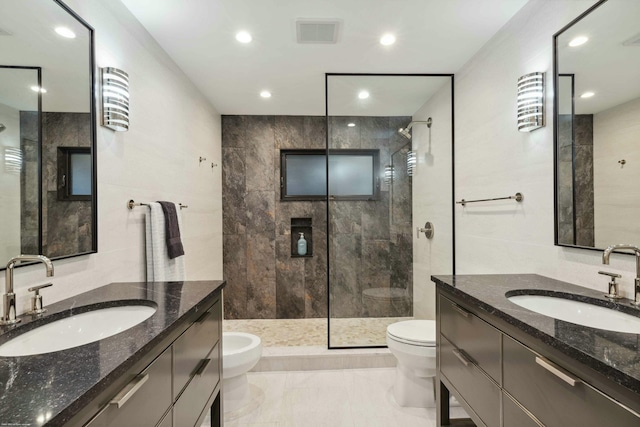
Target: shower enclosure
(389,149)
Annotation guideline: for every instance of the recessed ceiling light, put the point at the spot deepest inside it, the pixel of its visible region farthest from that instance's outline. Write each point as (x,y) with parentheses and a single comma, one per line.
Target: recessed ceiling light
(578,41)
(351,125)
(38,89)
(387,39)
(265,94)
(587,95)
(65,32)
(363,94)
(244,37)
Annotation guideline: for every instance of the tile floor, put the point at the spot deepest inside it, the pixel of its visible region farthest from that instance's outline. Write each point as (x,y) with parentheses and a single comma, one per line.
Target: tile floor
(313,332)
(338,398)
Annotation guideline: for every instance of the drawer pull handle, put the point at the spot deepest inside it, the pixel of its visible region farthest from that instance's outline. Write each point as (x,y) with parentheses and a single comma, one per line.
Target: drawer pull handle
(204,317)
(558,372)
(203,367)
(461,357)
(460,310)
(129,390)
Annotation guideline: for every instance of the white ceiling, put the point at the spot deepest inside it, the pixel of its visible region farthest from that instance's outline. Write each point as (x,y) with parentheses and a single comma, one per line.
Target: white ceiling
(433,36)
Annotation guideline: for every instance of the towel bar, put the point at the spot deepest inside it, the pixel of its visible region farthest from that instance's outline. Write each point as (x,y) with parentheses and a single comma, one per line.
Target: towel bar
(518,198)
(131,204)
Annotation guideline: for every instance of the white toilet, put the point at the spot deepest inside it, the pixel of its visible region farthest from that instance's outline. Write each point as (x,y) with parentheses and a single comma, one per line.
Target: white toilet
(240,353)
(413,343)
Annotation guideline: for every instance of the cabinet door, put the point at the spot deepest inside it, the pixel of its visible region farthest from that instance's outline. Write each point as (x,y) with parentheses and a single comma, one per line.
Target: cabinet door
(193,346)
(473,385)
(514,416)
(143,401)
(190,405)
(474,336)
(555,396)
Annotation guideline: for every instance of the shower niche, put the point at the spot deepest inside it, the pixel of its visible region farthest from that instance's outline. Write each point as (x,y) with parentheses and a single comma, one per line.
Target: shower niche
(301,225)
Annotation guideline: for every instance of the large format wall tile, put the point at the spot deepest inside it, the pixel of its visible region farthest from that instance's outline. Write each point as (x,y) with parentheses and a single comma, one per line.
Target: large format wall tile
(263,279)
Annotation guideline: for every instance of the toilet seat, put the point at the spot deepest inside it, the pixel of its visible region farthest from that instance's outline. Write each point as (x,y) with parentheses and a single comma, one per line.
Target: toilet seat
(413,332)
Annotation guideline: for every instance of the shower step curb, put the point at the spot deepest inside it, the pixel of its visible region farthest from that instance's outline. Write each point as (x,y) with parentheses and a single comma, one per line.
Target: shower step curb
(313,358)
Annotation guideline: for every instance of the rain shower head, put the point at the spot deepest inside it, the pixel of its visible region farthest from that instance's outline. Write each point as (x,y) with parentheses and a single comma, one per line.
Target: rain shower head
(405,131)
(2,127)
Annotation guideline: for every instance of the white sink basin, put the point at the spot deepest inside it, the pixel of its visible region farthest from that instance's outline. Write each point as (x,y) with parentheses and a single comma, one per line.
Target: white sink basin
(578,312)
(77,330)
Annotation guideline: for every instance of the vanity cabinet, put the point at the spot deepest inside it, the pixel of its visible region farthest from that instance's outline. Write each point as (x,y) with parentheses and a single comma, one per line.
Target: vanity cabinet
(502,382)
(178,387)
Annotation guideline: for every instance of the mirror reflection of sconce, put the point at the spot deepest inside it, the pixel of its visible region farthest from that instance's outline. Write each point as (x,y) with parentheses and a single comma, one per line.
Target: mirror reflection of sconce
(530,102)
(412,159)
(115,99)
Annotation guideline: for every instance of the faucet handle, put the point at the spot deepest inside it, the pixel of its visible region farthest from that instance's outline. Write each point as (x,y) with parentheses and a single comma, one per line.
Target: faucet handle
(613,286)
(36,299)
(613,276)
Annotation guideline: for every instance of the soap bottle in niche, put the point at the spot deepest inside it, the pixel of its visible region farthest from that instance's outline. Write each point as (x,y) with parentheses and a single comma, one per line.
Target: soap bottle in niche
(302,245)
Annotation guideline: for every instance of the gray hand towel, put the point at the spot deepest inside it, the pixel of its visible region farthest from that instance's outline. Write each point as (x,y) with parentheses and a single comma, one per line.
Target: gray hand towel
(172,234)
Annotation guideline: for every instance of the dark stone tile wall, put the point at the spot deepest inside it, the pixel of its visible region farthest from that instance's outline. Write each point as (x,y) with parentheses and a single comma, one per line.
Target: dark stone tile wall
(66,225)
(575,174)
(263,280)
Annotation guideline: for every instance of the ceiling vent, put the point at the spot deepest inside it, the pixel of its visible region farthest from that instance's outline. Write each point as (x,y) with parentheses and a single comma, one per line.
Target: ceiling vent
(633,41)
(317,30)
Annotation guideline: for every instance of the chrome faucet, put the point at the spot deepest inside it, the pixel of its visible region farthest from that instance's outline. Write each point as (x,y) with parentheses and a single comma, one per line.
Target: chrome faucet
(9,314)
(636,282)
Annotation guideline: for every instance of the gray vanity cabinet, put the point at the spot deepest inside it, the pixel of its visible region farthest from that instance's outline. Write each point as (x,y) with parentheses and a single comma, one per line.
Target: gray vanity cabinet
(503,383)
(557,397)
(143,401)
(178,387)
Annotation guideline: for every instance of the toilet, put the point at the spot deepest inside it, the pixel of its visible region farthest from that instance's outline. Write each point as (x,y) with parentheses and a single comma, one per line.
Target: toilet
(413,343)
(240,353)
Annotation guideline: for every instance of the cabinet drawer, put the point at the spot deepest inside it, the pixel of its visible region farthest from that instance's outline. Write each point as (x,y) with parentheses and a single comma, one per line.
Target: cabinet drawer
(189,406)
(514,416)
(143,401)
(193,346)
(557,397)
(475,337)
(473,385)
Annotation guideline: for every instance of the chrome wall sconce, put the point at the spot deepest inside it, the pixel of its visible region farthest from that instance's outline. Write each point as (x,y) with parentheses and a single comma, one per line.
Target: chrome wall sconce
(412,159)
(13,160)
(115,99)
(530,102)
(389,172)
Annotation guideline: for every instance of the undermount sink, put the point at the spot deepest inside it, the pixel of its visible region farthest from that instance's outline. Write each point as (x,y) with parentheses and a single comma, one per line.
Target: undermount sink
(579,312)
(76,330)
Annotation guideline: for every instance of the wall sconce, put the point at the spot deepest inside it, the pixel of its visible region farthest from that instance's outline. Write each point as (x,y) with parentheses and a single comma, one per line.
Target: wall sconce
(412,159)
(389,172)
(530,102)
(13,159)
(115,99)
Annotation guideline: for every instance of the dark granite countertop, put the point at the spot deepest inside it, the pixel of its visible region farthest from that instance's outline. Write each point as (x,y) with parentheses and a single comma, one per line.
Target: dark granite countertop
(51,388)
(616,355)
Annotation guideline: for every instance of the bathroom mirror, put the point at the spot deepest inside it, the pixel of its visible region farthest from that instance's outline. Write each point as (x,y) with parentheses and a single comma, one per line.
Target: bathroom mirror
(597,127)
(46,108)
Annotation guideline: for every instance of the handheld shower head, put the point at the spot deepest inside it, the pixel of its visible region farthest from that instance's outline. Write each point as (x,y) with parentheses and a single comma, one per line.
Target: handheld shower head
(405,131)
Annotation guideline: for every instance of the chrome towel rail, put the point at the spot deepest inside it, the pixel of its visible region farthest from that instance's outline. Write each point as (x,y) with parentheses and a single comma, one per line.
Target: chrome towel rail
(131,204)
(518,198)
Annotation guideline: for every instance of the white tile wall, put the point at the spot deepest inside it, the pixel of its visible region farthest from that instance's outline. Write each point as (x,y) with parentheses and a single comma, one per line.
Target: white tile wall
(171,126)
(493,159)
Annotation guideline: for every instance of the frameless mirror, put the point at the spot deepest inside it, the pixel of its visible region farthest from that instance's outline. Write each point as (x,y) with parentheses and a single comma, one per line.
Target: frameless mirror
(47,131)
(597,123)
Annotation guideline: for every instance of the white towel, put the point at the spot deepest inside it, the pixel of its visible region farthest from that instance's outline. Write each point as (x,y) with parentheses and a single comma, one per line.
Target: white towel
(159,267)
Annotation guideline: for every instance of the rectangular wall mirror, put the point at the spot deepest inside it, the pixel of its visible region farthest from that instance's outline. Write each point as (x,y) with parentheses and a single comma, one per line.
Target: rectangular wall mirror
(597,126)
(47,131)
